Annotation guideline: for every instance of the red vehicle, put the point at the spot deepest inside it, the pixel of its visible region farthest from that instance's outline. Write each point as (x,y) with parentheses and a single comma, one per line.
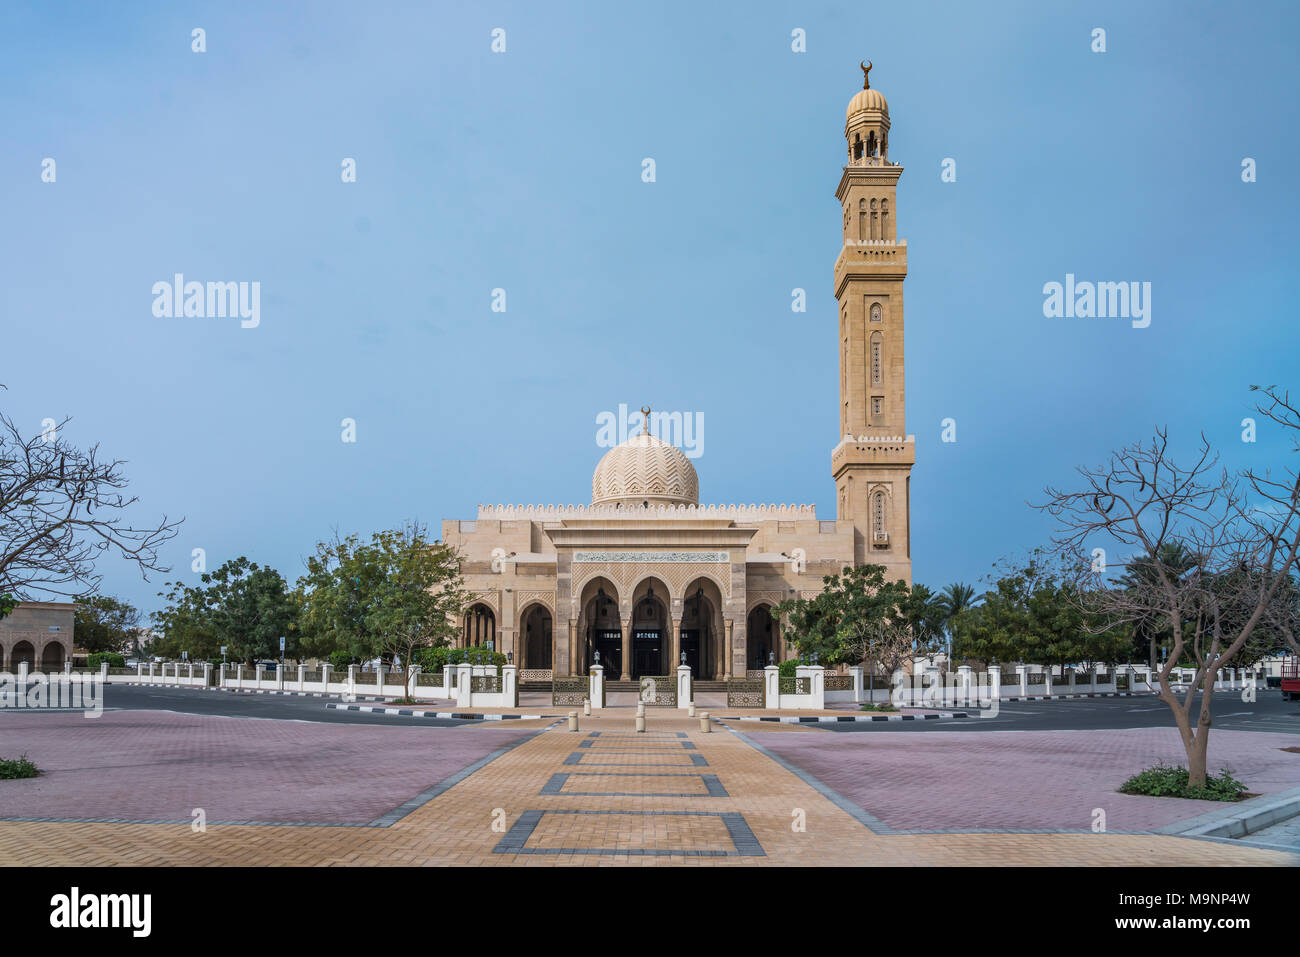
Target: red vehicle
(1291,679)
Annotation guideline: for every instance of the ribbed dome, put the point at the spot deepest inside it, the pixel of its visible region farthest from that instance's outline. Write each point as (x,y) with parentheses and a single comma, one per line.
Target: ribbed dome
(645,469)
(867,100)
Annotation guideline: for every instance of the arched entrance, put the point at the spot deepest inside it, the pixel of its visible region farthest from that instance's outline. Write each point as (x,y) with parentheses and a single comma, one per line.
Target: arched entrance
(23,651)
(52,657)
(702,629)
(651,639)
(538,639)
(761,636)
(480,626)
(600,629)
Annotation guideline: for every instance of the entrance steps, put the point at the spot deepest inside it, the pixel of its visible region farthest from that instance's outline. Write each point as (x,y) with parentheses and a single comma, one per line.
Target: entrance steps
(630,687)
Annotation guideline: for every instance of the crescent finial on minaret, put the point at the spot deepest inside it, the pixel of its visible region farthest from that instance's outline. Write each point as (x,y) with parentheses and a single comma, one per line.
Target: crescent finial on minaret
(866,80)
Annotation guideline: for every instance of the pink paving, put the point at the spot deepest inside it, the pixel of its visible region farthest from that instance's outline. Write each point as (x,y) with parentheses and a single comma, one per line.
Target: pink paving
(1013,780)
(142,765)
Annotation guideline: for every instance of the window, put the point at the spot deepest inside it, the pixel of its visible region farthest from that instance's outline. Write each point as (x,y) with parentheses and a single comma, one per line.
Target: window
(880,535)
(875,312)
(877,404)
(877,371)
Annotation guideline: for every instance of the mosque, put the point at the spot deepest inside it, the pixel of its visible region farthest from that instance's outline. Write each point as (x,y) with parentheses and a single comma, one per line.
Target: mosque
(646,574)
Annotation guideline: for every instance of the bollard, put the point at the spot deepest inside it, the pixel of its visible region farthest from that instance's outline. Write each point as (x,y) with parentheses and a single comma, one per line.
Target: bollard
(573,721)
(704,722)
(640,722)
(586,706)
(640,708)
(690,710)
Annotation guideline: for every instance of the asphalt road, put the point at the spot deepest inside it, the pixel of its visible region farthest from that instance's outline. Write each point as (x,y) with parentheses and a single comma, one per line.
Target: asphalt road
(272,706)
(1267,713)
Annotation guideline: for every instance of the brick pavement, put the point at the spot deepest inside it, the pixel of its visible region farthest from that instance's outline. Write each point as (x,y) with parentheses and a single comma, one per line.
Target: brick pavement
(1025,779)
(728,805)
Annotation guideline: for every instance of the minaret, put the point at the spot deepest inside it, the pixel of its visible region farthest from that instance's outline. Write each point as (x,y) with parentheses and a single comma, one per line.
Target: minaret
(873,461)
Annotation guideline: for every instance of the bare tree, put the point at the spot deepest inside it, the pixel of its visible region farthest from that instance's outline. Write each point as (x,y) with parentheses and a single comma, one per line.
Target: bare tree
(1240,533)
(61,509)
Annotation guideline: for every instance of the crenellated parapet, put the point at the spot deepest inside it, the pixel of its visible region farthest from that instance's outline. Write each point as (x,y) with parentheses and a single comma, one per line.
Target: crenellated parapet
(560,513)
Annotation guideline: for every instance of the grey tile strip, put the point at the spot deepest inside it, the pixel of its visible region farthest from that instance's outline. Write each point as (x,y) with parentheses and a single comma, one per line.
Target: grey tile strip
(742,837)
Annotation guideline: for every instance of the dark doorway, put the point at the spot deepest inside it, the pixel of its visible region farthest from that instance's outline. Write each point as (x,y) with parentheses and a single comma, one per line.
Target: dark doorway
(610,645)
(647,653)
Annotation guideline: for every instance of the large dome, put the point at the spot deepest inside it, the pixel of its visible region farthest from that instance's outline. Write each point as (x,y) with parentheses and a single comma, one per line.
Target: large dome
(645,469)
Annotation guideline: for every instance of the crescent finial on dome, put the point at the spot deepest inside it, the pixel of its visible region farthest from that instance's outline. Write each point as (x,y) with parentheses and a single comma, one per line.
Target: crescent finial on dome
(866,69)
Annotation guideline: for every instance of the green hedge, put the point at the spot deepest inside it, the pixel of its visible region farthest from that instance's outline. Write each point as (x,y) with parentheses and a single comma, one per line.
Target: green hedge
(94,662)
(433,659)
(786,669)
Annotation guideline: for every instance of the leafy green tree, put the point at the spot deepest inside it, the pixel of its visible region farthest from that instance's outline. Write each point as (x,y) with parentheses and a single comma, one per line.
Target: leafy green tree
(241,605)
(418,595)
(860,616)
(7,604)
(103,623)
(390,597)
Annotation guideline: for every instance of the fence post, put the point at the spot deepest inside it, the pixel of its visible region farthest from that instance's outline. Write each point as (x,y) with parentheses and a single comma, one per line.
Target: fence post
(510,684)
(995,681)
(103,670)
(963,674)
(325,670)
(855,672)
(1047,678)
(1023,672)
(684,691)
(596,686)
(464,683)
(772,687)
(447,684)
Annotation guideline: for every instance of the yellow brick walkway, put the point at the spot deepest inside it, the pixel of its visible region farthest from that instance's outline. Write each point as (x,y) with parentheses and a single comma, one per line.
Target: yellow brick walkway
(502,806)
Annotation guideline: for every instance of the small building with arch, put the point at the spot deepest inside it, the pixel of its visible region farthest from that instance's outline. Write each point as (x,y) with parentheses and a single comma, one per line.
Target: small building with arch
(38,633)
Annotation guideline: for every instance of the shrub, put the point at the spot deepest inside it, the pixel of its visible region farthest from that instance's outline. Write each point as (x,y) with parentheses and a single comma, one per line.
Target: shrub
(339,660)
(114,660)
(13,768)
(878,707)
(431,660)
(1166,781)
(786,669)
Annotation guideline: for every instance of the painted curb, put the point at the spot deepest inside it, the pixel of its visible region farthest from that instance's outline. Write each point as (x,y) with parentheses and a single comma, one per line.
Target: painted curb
(839,719)
(413,713)
(1239,820)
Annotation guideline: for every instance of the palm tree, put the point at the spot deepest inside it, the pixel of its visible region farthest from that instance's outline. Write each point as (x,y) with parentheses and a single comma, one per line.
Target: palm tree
(1176,560)
(955,599)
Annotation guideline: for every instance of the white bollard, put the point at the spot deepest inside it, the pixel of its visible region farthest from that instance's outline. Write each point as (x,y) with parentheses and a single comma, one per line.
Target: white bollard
(704,722)
(573,721)
(640,723)
(691,710)
(586,706)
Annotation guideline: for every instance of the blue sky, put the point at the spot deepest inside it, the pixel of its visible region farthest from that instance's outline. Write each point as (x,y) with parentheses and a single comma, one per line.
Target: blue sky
(522,171)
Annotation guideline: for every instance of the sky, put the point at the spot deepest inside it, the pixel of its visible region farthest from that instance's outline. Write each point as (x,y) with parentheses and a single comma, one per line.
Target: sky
(521,171)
